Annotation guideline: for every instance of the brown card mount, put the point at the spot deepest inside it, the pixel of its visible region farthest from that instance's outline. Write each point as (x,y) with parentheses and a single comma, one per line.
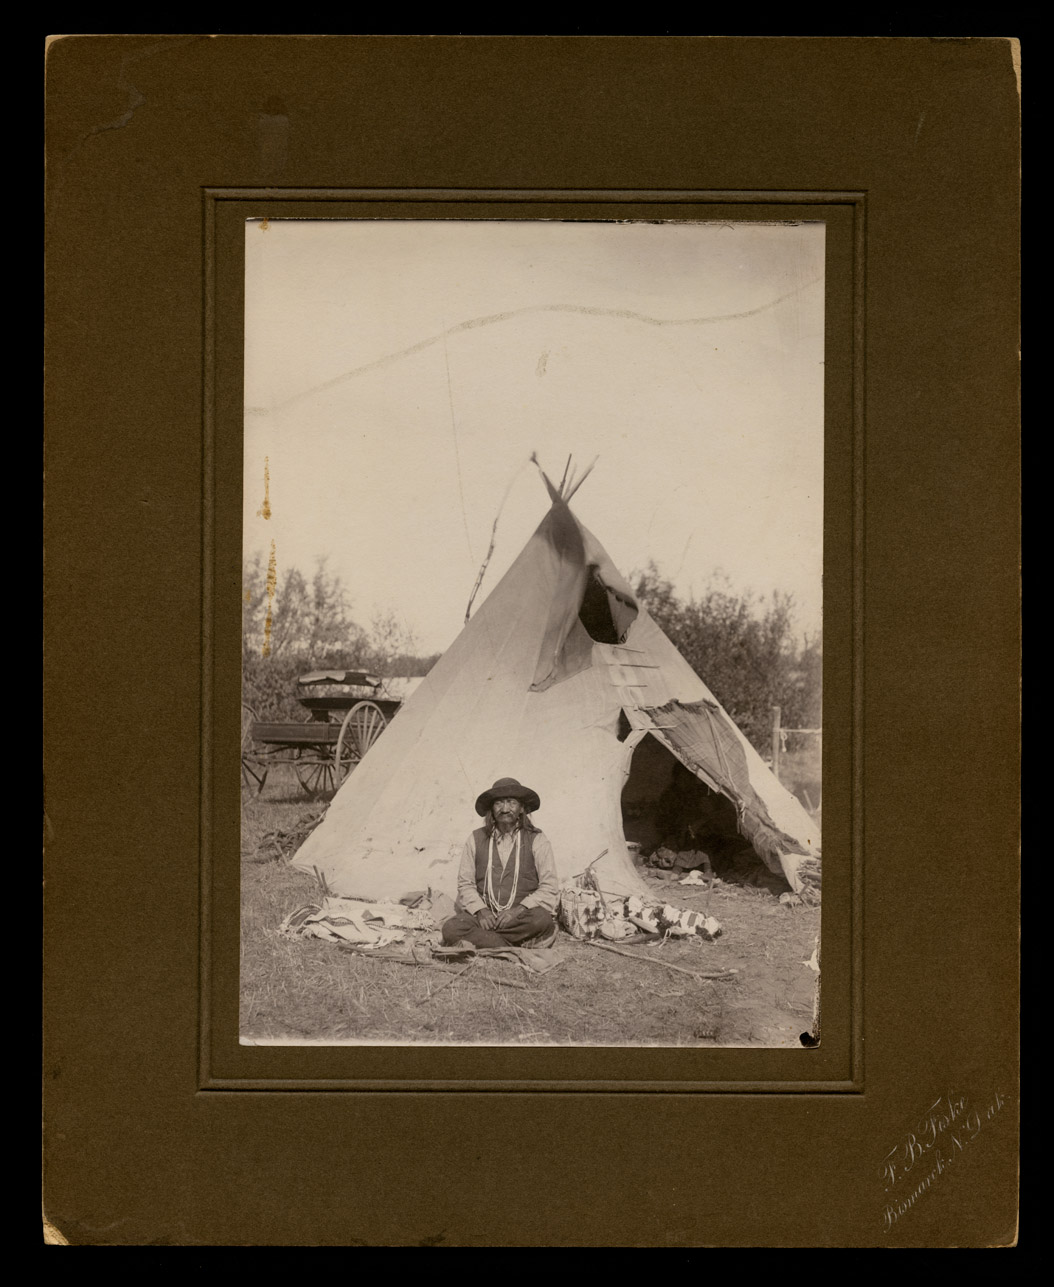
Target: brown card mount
(160,1129)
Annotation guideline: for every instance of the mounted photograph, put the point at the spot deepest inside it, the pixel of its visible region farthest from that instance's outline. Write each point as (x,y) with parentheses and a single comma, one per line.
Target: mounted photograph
(532,648)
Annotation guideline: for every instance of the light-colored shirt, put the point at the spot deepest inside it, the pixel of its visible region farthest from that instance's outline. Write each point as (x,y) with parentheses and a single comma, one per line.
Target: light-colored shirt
(547,895)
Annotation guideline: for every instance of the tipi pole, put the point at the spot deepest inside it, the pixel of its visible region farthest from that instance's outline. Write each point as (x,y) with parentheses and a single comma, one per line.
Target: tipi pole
(564,479)
(571,490)
(776,742)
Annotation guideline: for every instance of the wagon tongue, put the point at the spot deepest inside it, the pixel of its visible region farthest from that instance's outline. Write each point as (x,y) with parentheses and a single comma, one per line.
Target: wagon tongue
(340,677)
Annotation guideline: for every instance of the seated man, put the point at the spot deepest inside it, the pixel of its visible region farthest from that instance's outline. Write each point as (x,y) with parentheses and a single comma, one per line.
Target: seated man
(507,885)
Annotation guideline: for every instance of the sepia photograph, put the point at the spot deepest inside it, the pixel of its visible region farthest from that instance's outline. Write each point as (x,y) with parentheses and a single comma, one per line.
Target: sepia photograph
(532,640)
(589,467)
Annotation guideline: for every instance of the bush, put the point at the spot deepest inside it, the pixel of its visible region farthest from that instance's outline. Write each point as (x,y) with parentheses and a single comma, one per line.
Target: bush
(745,652)
(304,625)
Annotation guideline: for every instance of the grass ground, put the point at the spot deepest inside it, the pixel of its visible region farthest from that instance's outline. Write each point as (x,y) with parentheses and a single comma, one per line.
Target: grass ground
(307,989)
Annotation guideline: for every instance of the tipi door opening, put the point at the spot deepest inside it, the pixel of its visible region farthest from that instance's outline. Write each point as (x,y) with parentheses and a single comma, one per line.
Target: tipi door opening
(680,823)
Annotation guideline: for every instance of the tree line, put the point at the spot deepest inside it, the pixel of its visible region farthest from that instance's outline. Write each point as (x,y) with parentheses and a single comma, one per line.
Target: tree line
(305,623)
(745,650)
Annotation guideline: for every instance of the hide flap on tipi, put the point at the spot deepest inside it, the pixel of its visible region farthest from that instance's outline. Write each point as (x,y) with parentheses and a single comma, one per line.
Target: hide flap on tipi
(538,686)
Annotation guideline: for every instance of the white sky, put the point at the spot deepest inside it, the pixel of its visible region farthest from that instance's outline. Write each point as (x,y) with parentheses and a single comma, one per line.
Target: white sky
(395,406)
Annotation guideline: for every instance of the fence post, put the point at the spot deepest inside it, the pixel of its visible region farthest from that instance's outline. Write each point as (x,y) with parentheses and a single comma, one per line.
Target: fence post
(776,741)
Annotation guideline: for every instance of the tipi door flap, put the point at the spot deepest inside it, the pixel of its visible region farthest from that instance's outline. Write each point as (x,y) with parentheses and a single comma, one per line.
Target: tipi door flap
(690,764)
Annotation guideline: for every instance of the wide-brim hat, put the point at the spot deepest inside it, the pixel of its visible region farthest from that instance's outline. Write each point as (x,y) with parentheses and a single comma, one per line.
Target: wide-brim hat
(505,787)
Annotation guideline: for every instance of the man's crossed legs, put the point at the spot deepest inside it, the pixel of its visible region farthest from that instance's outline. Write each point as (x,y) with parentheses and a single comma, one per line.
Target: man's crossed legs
(535,922)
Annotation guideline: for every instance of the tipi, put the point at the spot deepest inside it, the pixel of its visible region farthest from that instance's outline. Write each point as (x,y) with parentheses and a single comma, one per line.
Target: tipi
(557,680)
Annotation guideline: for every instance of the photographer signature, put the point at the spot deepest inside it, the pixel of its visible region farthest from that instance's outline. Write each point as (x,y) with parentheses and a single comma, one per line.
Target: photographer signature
(936,1141)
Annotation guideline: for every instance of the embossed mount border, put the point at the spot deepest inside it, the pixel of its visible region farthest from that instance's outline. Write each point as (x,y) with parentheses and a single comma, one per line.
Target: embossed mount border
(693,204)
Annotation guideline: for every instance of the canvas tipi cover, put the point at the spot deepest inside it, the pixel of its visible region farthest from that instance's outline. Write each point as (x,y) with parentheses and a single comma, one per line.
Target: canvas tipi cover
(554,681)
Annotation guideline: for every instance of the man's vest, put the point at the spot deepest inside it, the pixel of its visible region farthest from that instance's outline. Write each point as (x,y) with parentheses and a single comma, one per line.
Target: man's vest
(501,883)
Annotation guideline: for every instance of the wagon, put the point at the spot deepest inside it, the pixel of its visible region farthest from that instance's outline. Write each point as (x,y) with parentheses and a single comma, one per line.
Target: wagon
(347,712)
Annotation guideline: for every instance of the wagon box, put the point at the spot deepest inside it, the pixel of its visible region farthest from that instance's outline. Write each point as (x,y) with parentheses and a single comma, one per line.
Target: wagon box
(348,710)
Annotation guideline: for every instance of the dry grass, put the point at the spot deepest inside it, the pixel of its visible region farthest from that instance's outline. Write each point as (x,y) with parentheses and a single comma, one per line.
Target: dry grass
(306,989)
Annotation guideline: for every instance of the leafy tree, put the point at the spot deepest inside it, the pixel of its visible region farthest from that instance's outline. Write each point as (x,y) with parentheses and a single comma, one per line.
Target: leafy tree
(390,648)
(306,624)
(744,649)
(301,617)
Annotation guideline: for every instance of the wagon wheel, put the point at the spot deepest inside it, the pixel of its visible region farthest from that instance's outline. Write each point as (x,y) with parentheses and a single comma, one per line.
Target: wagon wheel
(254,774)
(362,726)
(313,766)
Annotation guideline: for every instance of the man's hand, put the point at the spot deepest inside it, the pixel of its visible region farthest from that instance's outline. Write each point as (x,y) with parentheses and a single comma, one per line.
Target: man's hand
(487,919)
(515,914)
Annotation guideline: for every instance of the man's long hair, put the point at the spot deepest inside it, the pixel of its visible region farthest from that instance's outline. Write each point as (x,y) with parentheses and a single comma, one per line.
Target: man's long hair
(490,823)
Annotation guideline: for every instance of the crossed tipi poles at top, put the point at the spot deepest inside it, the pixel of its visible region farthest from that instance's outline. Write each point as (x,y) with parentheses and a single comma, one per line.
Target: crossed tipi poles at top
(568,485)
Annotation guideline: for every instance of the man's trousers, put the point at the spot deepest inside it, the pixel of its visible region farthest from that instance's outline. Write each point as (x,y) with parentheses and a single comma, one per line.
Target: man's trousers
(464,925)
